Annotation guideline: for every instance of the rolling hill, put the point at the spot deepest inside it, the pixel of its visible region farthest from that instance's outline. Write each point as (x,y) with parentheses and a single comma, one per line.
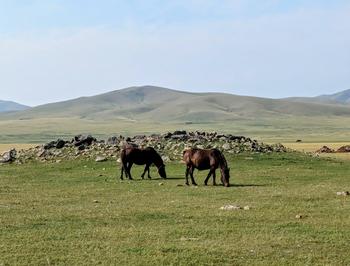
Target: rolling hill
(150,109)
(150,103)
(342,97)
(8,106)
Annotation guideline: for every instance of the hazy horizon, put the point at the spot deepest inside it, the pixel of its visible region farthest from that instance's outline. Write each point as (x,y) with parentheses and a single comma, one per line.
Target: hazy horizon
(183,90)
(59,50)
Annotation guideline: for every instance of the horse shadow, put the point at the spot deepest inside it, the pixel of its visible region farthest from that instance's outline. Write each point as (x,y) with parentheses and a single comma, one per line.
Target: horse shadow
(248,185)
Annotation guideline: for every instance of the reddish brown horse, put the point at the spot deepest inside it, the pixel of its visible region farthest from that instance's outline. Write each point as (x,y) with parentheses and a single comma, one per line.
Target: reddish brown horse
(204,160)
(147,156)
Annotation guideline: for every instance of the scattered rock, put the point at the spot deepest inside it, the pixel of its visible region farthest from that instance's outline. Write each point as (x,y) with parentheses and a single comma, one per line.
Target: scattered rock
(80,140)
(226,147)
(246,208)
(9,156)
(96,201)
(230,207)
(343,193)
(345,148)
(161,184)
(325,149)
(299,216)
(166,159)
(112,140)
(100,159)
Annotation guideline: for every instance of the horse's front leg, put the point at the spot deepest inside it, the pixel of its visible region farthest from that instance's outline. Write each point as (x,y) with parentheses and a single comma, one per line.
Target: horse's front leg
(128,170)
(209,174)
(144,172)
(192,178)
(149,176)
(214,177)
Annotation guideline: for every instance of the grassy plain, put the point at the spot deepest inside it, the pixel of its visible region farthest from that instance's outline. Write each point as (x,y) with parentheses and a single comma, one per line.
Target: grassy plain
(317,129)
(17,146)
(79,213)
(312,147)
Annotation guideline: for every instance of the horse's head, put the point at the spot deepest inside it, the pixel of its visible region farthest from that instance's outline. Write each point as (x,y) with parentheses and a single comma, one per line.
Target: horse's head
(161,171)
(226,177)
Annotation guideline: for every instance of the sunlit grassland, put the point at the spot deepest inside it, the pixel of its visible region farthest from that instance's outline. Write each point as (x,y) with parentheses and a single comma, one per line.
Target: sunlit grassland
(17,146)
(79,212)
(289,129)
(313,147)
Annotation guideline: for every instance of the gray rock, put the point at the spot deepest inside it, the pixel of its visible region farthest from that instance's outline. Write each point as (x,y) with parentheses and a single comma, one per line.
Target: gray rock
(9,156)
(226,146)
(100,159)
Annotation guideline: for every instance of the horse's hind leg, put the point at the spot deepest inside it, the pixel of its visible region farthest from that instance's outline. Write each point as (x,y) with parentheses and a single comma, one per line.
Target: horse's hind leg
(186,174)
(122,173)
(149,176)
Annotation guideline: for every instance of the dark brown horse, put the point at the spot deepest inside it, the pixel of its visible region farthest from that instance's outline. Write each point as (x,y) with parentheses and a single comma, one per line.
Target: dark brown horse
(204,160)
(148,156)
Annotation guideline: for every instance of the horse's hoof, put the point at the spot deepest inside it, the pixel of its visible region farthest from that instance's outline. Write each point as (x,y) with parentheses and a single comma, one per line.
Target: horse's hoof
(194,184)
(187,184)
(205,184)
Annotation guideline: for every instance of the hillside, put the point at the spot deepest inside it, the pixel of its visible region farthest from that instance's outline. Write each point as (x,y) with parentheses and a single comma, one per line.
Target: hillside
(149,103)
(149,109)
(8,106)
(342,97)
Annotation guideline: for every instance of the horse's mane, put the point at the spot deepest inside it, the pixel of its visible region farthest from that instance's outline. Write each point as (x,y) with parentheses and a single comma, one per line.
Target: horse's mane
(156,154)
(222,157)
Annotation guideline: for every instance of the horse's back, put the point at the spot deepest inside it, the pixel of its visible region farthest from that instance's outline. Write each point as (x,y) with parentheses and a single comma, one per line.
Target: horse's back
(201,159)
(139,156)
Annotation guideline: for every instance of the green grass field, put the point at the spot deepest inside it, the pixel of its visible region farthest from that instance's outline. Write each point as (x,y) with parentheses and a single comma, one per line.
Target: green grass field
(315,129)
(79,213)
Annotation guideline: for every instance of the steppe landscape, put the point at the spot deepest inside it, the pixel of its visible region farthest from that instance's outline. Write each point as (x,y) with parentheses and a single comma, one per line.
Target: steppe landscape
(174,132)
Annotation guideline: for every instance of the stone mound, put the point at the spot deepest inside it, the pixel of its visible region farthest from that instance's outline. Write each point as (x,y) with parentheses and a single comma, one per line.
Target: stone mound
(169,145)
(345,148)
(325,149)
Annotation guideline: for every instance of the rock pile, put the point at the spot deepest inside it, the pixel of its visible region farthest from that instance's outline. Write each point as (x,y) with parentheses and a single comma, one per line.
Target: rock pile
(169,145)
(9,156)
(325,149)
(345,148)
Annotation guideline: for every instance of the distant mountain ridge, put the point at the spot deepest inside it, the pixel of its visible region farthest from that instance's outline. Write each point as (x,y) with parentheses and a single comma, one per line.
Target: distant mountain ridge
(151,103)
(342,97)
(8,106)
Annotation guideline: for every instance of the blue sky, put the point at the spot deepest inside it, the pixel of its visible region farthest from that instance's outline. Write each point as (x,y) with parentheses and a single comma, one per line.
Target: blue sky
(61,49)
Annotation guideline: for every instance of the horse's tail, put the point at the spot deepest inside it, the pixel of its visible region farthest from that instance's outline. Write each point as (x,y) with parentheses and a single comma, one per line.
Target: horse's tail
(123,157)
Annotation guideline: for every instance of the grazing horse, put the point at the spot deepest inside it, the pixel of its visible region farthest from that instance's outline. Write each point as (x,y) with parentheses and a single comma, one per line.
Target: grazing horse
(147,156)
(206,159)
